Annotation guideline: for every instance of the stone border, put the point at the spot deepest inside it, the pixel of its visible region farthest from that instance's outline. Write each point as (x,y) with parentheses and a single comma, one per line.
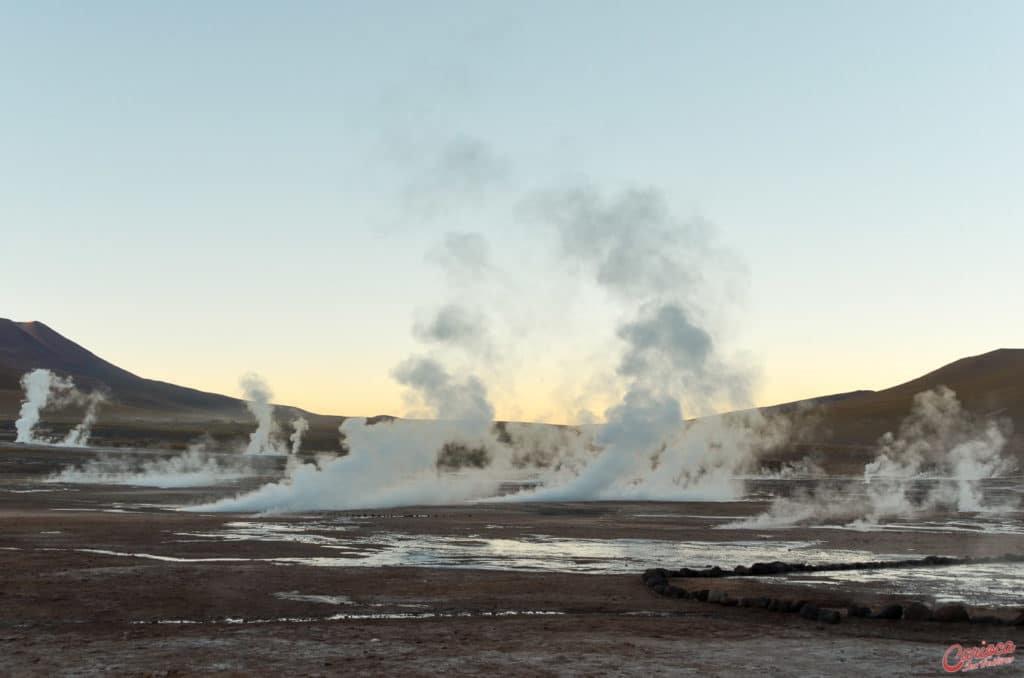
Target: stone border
(656,580)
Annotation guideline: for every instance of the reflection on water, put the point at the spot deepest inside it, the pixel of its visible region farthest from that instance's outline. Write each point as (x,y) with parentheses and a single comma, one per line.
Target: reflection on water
(538,553)
(313,598)
(979,524)
(364,616)
(984,585)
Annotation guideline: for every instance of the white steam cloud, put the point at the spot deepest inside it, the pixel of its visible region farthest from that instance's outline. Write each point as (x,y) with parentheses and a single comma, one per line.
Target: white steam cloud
(391,464)
(196,467)
(658,266)
(447,398)
(661,269)
(45,390)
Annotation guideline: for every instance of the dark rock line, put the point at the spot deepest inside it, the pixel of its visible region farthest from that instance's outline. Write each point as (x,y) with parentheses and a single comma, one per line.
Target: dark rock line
(779,567)
(657,580)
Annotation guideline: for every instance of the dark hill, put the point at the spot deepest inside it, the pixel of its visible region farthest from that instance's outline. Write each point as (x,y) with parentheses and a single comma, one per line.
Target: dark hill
(990,384)
(30,345)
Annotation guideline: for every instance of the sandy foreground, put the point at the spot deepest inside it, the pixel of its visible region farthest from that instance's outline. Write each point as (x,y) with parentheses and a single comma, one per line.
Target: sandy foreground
(74,600)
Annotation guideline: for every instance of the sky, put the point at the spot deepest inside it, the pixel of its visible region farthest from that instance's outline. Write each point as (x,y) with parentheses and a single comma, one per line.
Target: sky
(194,191)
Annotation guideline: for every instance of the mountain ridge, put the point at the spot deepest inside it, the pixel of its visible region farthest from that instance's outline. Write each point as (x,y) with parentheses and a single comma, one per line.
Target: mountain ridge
(990,383)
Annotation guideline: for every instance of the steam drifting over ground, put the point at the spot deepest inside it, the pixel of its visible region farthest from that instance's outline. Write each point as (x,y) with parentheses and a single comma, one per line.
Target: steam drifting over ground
(933,462)
(391,464)
(194,468)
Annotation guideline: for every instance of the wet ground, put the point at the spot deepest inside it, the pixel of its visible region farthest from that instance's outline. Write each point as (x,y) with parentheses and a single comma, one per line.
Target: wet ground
(114,580)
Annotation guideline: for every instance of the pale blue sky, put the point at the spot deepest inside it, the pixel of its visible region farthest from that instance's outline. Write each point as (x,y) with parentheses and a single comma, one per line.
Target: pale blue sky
(195,190)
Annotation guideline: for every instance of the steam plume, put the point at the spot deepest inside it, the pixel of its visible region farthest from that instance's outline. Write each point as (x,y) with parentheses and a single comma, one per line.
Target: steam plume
(664,271)
(448,398)
(299,428)
(197,467)
(657,265)
(257,398)
(79,435)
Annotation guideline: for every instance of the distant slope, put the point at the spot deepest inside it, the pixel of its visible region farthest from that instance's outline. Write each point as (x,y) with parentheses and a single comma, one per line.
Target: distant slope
(988,384)
(991,383)
(847,424)
(26,346)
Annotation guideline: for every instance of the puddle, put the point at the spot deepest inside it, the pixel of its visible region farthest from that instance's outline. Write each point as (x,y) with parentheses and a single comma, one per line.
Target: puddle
(166,559)
(365,616)
(312,598)
(982,585)
(993,525)
(537,553)
(304,533)
(682,515)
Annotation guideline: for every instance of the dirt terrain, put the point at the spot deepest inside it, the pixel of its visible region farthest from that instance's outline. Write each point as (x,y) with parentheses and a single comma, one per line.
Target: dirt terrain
(76,602)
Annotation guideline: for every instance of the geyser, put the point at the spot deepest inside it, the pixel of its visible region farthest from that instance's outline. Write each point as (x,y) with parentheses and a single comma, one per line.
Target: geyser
(299,428)
(45,390)
(257,394)
(660,270)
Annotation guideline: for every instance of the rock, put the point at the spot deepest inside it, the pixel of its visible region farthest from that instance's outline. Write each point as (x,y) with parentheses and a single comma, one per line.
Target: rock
(809,611)
(777,605)
(728,601)
(716,596)
(954,612)
(775,567)
(701,595)
(917,612)
(828,616)
(659,586)
(1019,620)
(674,592)
(938,560)
(654,574)
(741,570)
(796,605)
(858,611)
(889,612)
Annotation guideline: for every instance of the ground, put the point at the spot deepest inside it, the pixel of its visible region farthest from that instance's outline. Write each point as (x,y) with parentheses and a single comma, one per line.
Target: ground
(74,601)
